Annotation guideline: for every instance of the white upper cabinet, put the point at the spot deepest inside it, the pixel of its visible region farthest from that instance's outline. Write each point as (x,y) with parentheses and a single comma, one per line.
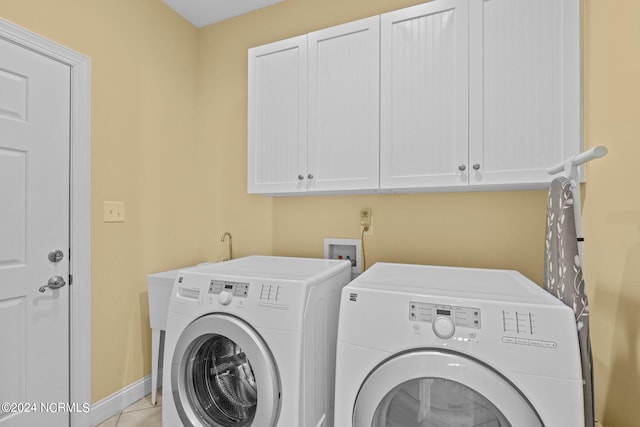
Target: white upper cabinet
(424,96)
(525,89)
(328,80)
(277,117)
(447,95)
(343,107)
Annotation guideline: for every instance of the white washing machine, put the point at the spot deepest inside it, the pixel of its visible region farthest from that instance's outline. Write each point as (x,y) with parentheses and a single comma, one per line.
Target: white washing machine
(251,343)
(439,346)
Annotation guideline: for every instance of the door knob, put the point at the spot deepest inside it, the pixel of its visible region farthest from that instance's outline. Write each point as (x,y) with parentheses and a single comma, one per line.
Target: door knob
(56,256)
(462,167)
(476,166)
(56,282)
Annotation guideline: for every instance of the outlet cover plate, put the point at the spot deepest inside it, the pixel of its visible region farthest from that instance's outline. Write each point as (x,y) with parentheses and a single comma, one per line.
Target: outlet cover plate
(113,211)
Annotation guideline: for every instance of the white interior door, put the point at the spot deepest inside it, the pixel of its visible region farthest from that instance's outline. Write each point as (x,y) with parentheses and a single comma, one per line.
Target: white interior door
(34,221)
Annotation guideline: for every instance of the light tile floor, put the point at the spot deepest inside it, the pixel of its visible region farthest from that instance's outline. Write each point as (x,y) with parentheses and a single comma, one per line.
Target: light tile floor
(140,414)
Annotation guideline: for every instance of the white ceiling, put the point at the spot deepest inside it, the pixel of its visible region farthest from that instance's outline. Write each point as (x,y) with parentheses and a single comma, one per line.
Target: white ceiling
(204,12)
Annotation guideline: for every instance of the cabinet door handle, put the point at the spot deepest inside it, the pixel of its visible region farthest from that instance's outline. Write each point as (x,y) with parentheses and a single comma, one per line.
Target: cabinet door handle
(462,168)
(310,176)
(300,177)
(476,166)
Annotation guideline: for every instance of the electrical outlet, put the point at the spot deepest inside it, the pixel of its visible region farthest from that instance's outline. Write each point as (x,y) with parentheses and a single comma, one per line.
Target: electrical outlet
(113,211)
(366,221)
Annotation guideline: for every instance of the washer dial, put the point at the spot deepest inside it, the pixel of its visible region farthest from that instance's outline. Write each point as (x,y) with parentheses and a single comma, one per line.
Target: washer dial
(443,327)
(225,297)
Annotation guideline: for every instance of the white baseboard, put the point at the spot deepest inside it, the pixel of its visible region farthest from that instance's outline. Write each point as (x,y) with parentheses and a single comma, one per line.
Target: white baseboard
(120,400)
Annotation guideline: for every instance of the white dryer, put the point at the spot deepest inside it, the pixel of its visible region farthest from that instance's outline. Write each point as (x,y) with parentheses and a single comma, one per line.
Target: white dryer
(440,346)
(251,343)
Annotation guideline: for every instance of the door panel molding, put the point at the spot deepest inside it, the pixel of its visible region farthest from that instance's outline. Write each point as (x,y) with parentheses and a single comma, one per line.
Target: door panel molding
(80,208)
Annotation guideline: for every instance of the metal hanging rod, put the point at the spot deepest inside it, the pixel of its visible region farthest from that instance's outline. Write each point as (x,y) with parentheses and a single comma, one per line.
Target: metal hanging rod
(578,159)
(570,168)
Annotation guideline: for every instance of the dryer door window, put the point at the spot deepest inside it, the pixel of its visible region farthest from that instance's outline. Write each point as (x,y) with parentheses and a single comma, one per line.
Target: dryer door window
(221,386)
(436,388)
(223,375)
(437,402)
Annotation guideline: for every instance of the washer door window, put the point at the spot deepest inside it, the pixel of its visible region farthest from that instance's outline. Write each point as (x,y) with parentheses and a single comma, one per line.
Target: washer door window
(432,388)
(223,375)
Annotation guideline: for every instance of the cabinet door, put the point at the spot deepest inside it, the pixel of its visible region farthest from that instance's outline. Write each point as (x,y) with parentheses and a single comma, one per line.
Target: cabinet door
(344,107)
(525,84)
(424,96)
(277,116)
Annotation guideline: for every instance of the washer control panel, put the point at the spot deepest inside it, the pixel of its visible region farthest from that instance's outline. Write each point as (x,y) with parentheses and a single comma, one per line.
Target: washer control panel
(466,317)
(520,326)
(271,293)
(233,289)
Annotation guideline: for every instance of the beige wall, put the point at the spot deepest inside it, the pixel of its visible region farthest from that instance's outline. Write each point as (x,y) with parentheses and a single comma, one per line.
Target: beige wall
(144,85)
(612,205)
(169,139)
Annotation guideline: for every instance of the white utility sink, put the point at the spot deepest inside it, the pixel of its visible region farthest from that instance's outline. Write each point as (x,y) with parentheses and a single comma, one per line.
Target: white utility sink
(159,286)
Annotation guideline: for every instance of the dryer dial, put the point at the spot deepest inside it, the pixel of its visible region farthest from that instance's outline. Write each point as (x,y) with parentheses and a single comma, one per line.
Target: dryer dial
(443,327)
(225,297)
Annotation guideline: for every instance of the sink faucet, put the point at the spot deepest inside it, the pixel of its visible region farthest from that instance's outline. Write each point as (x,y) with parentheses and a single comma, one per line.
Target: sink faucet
(222,239)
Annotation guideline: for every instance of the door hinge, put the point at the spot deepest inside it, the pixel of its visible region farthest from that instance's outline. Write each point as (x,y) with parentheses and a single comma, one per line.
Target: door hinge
(70,279)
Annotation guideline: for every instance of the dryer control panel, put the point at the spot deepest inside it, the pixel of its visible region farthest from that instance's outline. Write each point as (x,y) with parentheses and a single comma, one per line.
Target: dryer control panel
(466,317)
(236,289)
